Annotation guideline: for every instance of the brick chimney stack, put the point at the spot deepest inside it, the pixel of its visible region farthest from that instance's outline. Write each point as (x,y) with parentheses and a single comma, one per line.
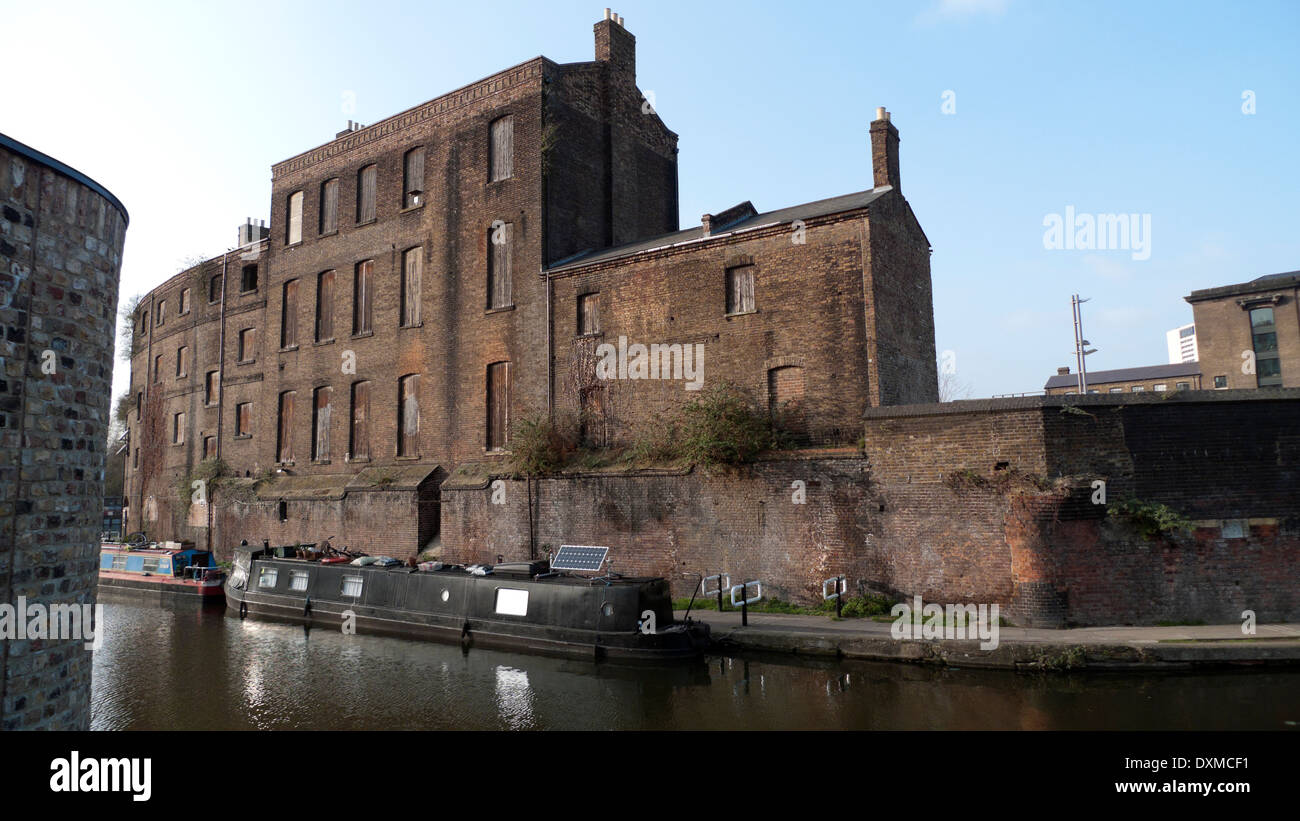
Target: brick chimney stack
(615,45)
(884,151)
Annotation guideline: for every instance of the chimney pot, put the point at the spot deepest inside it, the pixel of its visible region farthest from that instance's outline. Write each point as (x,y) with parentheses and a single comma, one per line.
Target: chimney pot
(1062,371)
(707,222)
(880,112)
(608,14)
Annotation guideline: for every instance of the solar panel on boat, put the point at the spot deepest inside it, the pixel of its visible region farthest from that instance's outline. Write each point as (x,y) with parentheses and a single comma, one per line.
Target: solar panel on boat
(578,557)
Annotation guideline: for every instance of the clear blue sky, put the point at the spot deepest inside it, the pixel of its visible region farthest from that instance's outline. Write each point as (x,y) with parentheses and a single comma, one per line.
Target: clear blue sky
(1125,107)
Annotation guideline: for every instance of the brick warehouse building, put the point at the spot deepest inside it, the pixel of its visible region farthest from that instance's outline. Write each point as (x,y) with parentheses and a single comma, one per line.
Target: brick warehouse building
(430,279)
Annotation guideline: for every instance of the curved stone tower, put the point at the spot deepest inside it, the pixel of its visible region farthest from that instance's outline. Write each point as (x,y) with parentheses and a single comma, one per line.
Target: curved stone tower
(61,236)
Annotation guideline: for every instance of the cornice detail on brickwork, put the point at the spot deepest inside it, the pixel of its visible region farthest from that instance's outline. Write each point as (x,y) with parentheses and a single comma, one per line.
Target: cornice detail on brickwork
(438,107)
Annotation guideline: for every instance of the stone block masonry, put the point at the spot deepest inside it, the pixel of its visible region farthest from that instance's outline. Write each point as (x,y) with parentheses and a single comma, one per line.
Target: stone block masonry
(61,237)
(966,502)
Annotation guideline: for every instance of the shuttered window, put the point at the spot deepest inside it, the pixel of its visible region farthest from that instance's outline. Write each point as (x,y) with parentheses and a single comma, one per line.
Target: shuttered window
(178,429)
(157,368)
(360,434)
(325,306)
(244,419)
(412,262)
(740,289)
(589,314)
(320,445)
(185,301)
(289,316)
(413,178)
(500,245)
(210,386)
(498,405)
(214,289)
(502,148)
(362,286)
(247,344)
(408,415)
(367,178)
(182,362)
(329,206)
(284,438)
(294,233)
(209,447)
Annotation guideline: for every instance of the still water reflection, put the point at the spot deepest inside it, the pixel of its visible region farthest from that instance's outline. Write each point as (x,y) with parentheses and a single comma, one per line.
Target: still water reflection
(181,667)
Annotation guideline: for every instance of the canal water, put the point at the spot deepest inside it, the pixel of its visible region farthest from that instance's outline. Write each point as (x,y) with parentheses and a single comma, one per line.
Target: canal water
(185,668)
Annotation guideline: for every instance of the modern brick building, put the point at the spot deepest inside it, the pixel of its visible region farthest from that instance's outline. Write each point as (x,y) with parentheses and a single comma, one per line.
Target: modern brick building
(1182,376)
(428,280)
(1248,334)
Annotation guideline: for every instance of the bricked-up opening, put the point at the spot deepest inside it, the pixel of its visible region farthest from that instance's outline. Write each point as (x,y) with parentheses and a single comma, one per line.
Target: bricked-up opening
(289,315)
(408,415)
(247,344)
(412,268)
(210,382)
(359,434)
(785,399)
(367,180)
(329,206)
(293,233)
(214,289)
(284,436)
(244,419)
(413,177)
(500,253)
(589,314)
(498,405)
(593,419)
(320,423)
(324,306)
(740,289)
(362,287)
(501,148)
(248,279)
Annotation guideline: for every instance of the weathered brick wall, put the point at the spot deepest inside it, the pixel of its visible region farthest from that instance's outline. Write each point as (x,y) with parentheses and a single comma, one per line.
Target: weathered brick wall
(982,502)
(61,243)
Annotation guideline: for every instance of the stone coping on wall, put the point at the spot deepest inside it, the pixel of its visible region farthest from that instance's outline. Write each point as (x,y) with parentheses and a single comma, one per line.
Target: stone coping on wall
(334,486)
(1029,403)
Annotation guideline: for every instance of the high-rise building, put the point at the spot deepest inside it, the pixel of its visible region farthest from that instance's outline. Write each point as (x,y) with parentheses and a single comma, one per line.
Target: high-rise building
(1182,344)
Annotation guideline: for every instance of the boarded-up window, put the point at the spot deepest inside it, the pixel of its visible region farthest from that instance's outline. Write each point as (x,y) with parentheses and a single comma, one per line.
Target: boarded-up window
(284,438)
(289,316)
(498,405)
(178,429)
(359,446)
(500,245)
(785,398)
(589,314)
(157,368)
(209,447)
(740,289)
(210,386)
(329,206)
(412,263)
(182,362)
(367,178)
(593,421)
(247,344)
(361,295)
(185,301)
(294,233)
(214,289)
(408,415)
(502,148)
(413,178)
(320,424)
(244,419)
(325,306)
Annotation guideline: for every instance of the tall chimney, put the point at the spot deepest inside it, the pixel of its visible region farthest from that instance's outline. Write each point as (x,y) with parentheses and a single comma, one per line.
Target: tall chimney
(884,151)
(615,45)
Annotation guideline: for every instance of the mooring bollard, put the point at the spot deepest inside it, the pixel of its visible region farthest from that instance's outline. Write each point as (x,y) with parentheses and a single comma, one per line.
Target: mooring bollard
(838,595)
(745,601)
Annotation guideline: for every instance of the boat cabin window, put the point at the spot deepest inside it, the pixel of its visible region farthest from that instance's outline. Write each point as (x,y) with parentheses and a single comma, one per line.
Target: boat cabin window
(297,579)
(352,585)
(119,561)
(150,564)
(512,602)
(268,577)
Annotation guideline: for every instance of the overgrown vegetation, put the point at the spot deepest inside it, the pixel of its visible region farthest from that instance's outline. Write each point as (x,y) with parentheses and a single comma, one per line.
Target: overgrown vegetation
(540,445)
(1002,480)
(211,471)
(1150,519)
(855,607)
(126,326)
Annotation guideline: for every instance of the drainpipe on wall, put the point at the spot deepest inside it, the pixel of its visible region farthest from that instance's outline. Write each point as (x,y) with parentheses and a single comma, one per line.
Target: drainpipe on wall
(221,380)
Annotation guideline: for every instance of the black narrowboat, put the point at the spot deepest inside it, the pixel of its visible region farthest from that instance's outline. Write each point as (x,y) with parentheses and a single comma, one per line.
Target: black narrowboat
(522,606)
